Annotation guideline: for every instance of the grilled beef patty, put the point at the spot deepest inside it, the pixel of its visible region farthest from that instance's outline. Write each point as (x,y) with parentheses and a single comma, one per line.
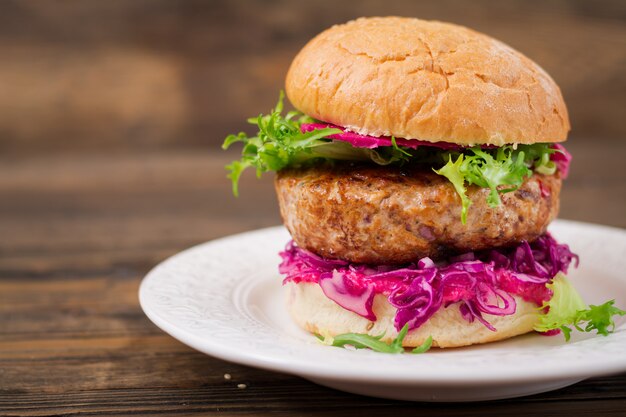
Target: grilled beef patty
(395,215)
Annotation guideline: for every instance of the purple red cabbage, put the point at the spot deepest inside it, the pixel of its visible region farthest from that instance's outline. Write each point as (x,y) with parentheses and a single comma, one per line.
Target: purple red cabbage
(562,158)
(482,282)
(356,298)
(365,141)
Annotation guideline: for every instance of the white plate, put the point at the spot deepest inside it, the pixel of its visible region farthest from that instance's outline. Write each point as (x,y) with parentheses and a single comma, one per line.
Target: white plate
(224,298)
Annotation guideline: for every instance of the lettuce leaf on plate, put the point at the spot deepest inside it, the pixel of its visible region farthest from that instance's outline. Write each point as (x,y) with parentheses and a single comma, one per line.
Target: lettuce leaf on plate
(566,309)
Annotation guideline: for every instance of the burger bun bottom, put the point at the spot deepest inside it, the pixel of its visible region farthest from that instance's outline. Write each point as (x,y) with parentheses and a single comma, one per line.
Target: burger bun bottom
(316,313)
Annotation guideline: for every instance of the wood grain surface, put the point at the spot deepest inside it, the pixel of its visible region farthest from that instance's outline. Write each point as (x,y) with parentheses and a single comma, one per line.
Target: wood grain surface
(111,113)
(80,231)
(148,74)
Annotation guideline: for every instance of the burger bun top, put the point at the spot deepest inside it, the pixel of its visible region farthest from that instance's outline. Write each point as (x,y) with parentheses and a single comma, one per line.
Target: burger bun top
(426,80)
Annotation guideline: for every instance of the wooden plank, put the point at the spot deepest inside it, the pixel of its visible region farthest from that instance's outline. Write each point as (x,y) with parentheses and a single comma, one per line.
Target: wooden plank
(80,231)
(154,75)
(302,398)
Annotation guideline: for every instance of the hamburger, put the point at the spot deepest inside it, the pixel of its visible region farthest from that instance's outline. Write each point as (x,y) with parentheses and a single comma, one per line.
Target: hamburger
(417,178)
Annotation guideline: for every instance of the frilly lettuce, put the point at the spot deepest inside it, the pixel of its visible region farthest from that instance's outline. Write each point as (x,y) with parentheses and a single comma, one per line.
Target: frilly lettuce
(365,341)
(502,169)
(566,309)
(280,143)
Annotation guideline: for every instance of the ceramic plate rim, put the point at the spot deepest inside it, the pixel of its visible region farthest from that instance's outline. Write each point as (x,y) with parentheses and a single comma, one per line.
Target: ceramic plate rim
(218,348)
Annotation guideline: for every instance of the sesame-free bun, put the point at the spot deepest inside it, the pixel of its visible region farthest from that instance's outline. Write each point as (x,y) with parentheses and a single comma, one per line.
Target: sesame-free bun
(316,313)
(427,80)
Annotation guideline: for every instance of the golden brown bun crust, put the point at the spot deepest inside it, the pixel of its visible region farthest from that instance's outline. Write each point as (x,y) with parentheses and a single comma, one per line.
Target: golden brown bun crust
(316,313)
(427,80)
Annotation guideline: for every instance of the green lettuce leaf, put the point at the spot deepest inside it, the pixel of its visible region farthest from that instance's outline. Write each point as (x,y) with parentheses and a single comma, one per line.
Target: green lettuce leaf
(507,167)
(537,156)
(424,347)
(279,143)
(453,172)
(566,309)
(365,341)
(502,170)
(598,318)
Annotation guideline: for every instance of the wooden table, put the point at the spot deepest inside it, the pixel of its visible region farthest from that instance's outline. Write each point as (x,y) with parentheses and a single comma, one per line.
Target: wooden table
(79,231)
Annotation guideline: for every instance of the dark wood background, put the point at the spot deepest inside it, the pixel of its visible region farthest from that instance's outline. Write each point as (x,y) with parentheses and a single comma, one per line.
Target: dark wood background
(111,116)
(155,74)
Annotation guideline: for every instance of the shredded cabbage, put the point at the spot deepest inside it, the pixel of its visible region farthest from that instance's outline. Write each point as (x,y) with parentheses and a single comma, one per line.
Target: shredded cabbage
(561,159)
(482,282)
(371,142)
